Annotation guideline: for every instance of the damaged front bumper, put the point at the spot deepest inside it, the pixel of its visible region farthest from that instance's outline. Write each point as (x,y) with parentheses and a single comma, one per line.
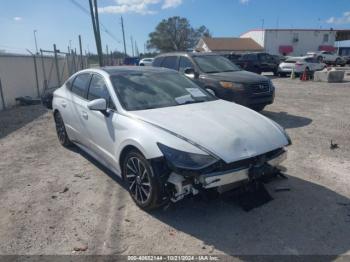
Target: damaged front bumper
(232,176)
(258,168)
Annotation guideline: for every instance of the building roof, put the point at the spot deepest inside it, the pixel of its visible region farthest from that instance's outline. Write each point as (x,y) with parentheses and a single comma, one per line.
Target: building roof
(231,44)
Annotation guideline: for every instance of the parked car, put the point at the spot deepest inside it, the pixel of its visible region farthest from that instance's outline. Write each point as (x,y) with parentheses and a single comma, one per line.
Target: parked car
(258,63)
(232,57)
(163,134)
(222,77)
(328,57)
(299,65)
(131,61)
(146,62)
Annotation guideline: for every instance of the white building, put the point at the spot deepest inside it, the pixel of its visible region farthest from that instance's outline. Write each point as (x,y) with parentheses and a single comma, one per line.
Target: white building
(294,42)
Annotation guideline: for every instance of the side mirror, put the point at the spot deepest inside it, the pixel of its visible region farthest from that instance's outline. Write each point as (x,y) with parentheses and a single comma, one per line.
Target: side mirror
(210,91)
(190,73)
(98,105)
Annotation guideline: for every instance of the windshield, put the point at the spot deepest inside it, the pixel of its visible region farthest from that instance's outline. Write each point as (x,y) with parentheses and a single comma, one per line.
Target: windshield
(215,64)
(148,90)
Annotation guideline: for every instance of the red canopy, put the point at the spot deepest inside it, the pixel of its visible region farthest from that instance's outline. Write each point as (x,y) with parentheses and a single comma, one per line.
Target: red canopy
(286,49)
(327,48)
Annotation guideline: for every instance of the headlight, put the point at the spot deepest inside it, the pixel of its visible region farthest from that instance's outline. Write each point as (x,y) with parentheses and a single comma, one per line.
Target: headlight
(231,85)
(284,132)
(185,160)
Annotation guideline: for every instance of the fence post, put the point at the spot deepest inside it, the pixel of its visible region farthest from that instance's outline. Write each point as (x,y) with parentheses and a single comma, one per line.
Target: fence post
(57,68)
(36,75)
(44,71)
(2,97)
(81,54)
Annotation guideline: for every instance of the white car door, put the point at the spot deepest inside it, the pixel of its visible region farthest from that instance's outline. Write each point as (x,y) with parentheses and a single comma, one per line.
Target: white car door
(77,108)
(100,125)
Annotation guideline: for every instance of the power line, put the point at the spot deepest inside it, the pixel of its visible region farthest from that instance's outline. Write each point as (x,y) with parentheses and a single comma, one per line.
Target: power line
(104,28)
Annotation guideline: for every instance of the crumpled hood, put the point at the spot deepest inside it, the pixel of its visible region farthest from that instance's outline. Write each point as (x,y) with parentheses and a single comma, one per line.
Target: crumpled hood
(228,130)
(239,77)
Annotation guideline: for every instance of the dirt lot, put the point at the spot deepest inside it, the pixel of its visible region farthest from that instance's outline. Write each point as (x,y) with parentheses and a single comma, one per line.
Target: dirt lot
(54,199)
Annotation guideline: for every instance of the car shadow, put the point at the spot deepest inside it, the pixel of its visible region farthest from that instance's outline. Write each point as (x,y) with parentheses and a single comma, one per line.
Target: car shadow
(17,117)
(287,120)
(309,219)
(97,164)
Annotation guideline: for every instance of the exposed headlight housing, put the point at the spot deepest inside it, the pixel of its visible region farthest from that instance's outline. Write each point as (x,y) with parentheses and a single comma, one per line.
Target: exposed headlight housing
(185,160)
(231,85)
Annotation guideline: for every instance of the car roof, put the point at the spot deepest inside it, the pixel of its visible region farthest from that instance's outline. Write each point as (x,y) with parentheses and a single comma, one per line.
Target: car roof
(114,70)
(192,54)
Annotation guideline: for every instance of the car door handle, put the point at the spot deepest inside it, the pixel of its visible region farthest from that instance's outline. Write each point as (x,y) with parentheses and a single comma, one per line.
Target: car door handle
(84,115)
(64,104)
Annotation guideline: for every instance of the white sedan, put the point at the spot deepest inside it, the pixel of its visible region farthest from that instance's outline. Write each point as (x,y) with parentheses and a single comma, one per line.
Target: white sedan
(163,134)
(146,62)
(299,65)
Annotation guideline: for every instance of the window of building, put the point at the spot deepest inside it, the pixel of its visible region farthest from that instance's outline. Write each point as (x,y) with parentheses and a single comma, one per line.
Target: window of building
(325,38)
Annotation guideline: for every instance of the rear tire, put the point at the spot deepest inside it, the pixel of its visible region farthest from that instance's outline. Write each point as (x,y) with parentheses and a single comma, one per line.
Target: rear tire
(61,131)
(143,184)
(337,61)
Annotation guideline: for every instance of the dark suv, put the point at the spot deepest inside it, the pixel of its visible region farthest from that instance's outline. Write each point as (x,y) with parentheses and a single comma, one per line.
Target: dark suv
(257,62)
(225,79)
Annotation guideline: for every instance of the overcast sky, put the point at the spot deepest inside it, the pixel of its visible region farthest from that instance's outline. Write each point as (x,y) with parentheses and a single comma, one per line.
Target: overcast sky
(62,21)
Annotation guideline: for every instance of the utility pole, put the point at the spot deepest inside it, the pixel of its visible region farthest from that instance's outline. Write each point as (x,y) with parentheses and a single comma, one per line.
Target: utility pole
(136,49)
(122,23)
(96,27)
(36,42)
(81,53)
(56,63)
(132,46)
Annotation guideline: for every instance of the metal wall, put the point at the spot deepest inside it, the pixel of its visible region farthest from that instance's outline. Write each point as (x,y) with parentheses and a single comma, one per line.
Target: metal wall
(20,78)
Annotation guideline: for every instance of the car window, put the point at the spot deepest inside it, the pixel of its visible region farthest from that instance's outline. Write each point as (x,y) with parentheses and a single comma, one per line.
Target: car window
(148,90)
(215,64)
(157,62)
(80,84)
(263,57)
(310,60)
(170,62)
(248,57)
(98,89)
(185,63)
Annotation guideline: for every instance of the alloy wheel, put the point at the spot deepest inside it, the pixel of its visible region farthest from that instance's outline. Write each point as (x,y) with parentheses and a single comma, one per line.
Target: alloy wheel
(139,180)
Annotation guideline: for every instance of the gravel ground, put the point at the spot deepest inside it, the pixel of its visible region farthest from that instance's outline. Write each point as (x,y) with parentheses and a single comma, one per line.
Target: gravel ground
(54,200)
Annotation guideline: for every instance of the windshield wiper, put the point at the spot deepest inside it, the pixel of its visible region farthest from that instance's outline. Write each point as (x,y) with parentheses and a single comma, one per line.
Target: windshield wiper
(229,70)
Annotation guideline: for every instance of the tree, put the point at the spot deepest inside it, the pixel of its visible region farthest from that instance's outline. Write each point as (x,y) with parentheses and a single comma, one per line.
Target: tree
(175,34)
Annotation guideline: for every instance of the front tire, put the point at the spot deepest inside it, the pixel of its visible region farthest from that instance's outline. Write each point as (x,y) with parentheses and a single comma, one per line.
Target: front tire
(61,131)
(143,184)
